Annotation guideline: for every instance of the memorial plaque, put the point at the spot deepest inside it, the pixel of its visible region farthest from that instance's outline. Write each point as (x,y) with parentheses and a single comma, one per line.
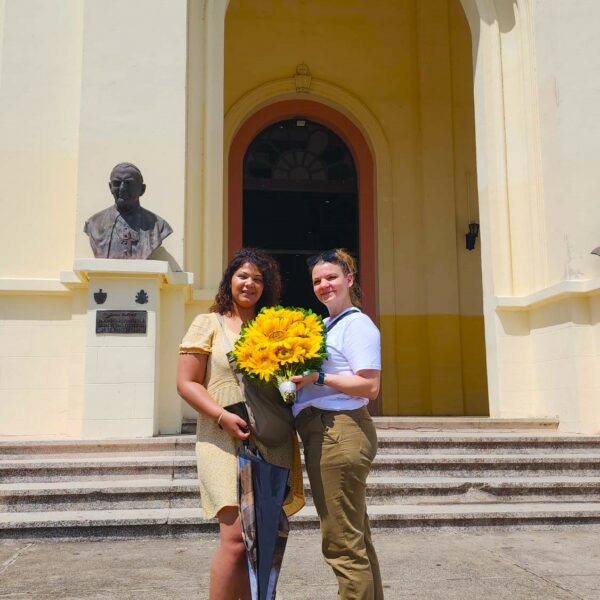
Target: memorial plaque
(121,321)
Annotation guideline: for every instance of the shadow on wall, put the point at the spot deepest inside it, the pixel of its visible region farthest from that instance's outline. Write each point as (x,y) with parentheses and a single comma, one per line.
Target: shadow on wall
(162,254)
(563,313)
(504,14)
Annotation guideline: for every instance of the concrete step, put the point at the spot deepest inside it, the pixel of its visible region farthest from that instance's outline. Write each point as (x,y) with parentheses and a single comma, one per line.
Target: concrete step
(72,468)
(390,442)
(452,477)
(153,445)
(67,468)
(398,442)
(465,423)
(187,521)
(443,423)
(166,493)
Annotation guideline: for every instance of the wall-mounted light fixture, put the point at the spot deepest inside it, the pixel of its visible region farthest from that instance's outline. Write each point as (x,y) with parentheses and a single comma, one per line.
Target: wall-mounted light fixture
(473,233)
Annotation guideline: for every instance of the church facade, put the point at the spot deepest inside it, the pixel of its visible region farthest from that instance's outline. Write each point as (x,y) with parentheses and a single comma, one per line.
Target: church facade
(452,146)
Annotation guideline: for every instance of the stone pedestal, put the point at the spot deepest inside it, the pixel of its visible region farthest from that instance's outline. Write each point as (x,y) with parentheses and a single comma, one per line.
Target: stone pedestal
(122,355)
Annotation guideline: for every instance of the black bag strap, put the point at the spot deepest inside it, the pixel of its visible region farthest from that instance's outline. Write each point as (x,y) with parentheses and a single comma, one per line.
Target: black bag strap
(338,319)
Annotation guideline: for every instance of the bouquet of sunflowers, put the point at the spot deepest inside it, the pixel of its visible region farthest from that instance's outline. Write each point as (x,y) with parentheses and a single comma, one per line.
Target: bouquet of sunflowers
(279,343)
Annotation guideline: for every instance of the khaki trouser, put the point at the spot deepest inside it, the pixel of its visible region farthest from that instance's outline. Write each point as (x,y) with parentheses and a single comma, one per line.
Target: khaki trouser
(339,447)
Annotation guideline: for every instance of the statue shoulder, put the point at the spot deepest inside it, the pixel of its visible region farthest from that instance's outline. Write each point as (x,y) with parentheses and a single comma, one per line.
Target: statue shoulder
(101,220)
(155,221)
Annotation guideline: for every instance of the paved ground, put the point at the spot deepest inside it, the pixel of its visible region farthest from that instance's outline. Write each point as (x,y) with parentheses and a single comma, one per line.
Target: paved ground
(425,565)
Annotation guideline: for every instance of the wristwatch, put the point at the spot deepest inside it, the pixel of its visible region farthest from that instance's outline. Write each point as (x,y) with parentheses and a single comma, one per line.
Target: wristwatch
(320,379)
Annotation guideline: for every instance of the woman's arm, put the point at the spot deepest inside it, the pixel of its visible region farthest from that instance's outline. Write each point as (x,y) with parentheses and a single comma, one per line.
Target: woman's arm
(364,384)
(191,371)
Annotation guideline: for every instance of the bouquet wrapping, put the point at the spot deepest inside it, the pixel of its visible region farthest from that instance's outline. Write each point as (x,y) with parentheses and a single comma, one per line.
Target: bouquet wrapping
(278,343)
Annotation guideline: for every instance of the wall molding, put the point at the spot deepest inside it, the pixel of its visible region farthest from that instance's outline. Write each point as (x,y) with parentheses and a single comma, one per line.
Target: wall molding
(573,289)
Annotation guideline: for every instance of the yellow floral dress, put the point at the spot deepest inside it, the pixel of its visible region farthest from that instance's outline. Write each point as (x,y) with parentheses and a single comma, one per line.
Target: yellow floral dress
(215,449)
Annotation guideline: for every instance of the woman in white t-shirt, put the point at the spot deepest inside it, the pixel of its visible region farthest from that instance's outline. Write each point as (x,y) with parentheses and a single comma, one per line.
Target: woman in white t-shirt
(337,431)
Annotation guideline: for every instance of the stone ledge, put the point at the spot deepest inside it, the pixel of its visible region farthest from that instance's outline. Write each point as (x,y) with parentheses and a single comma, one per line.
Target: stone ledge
(33,286)
(84,267)
(580,288)
(470,423)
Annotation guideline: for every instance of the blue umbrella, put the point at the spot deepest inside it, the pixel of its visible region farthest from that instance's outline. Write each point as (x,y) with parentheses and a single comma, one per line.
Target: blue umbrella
(262,488)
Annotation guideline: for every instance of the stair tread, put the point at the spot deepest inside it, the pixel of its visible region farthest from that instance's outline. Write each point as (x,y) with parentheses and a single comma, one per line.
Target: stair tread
(433,434)
(186,485)
(114,482)
(478,508)
(174,515)
(101,484)
(374,479)
(177,460)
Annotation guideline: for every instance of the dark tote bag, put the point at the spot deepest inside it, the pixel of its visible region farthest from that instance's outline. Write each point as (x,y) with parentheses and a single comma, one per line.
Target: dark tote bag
(269,417)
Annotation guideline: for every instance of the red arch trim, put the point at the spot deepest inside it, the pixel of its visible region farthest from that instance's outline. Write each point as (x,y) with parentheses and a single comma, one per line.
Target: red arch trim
(357,144)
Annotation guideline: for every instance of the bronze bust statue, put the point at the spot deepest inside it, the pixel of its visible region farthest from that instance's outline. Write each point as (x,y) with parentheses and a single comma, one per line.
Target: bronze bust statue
(126,230)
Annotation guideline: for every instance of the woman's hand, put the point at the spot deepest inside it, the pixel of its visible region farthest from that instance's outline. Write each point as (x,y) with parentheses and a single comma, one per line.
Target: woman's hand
(364,383)
(190,385)
(302,380)
(235,426)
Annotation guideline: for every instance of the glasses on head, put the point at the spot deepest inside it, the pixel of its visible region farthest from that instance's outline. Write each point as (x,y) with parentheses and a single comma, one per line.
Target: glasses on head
(326,256)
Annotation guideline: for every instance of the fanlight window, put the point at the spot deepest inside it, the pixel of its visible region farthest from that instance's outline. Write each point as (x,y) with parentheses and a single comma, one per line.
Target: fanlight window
(294,153)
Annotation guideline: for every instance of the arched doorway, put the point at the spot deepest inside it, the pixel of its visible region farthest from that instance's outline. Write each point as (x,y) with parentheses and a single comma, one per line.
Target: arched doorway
(340,186)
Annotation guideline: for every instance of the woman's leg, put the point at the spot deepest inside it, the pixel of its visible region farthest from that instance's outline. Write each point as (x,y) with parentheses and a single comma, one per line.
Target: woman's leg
(229,571)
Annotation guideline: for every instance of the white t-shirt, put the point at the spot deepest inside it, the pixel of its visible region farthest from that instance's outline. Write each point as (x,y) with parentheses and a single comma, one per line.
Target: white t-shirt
(353,344)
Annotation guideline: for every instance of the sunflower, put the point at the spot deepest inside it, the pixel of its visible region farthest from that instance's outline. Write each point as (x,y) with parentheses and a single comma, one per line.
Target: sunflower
(280,342)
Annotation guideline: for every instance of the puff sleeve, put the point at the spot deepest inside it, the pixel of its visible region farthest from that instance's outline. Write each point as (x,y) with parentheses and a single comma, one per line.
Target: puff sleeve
(199,337)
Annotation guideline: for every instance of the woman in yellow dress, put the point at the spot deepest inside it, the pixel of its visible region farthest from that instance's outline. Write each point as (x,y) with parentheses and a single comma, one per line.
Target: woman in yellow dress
(206,382)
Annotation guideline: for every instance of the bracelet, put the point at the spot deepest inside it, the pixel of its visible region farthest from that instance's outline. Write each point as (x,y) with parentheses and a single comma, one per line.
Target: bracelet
(220,417)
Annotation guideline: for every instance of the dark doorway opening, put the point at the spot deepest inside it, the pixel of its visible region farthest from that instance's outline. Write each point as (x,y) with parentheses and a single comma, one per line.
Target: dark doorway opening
(300,197)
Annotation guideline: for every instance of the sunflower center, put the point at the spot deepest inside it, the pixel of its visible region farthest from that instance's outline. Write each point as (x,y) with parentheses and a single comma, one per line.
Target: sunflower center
(277,335)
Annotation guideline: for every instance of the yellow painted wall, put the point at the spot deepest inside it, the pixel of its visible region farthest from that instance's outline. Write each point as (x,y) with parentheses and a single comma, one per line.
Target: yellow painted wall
(35,365)
(409,62)
(40,88)
(133,108)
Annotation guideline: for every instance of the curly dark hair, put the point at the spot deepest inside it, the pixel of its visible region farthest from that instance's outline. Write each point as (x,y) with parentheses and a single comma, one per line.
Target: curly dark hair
(268,268)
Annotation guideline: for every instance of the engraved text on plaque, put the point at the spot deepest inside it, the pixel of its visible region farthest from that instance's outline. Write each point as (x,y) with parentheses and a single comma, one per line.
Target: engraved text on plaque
(121,321)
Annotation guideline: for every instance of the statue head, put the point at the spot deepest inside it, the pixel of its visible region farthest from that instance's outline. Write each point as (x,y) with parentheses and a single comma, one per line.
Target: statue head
(126,185)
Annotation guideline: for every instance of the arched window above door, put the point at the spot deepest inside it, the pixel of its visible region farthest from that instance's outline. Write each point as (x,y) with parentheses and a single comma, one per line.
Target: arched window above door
(297,153)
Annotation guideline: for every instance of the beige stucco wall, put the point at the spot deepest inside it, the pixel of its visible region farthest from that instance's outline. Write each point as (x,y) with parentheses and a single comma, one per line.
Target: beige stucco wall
(547,346)
(40,83)
(133,108)
(35,365)
(568,66)
(40,88)
(83,85)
